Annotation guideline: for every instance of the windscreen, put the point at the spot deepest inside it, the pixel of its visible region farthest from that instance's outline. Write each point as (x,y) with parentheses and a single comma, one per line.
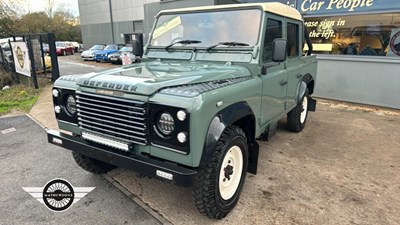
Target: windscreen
(111,47)
(97,47)
(208,27)
(60,44)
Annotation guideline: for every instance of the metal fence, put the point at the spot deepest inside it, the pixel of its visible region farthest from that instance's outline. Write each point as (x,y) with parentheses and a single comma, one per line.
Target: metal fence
(41,52)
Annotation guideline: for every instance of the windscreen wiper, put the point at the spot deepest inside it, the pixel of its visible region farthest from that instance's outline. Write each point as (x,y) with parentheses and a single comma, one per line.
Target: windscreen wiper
(228,43)
(183,42)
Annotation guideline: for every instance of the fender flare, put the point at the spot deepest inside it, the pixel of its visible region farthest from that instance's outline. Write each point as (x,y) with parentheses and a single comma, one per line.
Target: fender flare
(302,87)
(220,122)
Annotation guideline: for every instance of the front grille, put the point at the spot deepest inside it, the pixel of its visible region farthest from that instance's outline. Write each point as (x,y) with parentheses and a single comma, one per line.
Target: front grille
(114,118)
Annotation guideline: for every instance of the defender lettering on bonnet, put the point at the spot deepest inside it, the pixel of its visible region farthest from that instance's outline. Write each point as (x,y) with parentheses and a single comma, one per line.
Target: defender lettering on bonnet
(212,83)
(110,85)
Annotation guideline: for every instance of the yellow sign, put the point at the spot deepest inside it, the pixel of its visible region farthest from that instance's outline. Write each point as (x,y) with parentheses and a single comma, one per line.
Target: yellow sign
(167,26)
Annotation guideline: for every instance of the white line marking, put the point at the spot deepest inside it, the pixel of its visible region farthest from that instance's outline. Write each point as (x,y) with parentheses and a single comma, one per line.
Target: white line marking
(9,130)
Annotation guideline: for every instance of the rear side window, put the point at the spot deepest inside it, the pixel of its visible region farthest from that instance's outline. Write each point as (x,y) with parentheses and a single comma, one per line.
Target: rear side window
(273,31)
(293,40)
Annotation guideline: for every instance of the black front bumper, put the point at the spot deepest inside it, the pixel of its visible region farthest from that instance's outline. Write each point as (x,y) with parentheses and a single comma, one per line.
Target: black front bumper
(143,165)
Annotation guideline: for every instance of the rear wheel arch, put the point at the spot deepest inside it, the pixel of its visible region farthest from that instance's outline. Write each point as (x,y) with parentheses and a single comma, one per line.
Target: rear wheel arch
(306,83)
(309,80)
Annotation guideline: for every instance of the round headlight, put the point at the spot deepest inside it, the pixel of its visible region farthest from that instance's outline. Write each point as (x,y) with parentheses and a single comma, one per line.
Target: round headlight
(165,123)
(71,104)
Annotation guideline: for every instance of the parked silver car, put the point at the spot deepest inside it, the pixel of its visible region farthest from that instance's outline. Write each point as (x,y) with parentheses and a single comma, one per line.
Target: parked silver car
(89,54)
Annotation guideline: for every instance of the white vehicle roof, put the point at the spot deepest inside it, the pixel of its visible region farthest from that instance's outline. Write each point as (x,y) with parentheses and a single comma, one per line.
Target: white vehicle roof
(272,7)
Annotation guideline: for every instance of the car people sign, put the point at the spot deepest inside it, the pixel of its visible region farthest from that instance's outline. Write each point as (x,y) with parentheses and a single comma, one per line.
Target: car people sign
(21,58)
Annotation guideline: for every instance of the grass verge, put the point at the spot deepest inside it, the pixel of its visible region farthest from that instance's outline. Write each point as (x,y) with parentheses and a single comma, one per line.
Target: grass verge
(18,98)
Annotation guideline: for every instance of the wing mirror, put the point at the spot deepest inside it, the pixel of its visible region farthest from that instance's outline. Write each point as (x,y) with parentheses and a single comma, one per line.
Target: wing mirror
(279,50)
(278,54)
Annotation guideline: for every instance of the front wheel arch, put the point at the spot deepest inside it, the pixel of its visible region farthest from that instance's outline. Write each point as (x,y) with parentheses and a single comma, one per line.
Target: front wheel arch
(244,119)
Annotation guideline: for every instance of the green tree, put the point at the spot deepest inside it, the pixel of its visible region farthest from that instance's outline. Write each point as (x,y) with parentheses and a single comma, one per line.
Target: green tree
(62,23)
(66,27)
(37,22)
(7,18)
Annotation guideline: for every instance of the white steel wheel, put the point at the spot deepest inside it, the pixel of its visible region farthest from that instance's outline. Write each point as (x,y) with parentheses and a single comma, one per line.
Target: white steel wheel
(303,114)
(218,184)
(297,117)
(230,172)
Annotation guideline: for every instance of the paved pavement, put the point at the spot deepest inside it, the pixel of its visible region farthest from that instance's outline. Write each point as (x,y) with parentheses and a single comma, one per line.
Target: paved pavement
(342,169)
(27,160)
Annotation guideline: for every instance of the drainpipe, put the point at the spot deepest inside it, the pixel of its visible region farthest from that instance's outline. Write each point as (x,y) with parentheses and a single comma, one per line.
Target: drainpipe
(112,22)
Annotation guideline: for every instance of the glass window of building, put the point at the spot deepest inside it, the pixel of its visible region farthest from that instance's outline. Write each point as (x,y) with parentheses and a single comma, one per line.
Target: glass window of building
(354,35)
(366,28)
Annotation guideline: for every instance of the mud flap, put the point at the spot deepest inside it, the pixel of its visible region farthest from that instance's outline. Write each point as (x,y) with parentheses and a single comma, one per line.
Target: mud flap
(312,104)
(253,157)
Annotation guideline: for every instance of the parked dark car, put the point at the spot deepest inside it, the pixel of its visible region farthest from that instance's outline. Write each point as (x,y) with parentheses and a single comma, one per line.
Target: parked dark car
(64,48)
(109,49)
(89,54)
(116,57)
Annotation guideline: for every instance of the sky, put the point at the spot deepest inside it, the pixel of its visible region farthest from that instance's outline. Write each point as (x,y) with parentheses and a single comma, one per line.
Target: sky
(39,5)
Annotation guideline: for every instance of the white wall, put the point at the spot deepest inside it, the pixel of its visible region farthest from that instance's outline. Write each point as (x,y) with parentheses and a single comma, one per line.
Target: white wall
(366,80)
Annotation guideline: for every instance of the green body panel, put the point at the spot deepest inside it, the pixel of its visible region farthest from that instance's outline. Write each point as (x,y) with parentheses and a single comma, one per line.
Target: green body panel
(69,127)
(152,81)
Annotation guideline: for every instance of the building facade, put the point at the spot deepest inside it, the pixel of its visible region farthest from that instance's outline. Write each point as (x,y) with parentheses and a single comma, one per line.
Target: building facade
(119,21)
(357,42)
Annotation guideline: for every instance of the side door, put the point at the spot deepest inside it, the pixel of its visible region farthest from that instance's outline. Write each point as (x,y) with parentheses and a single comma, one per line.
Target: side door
(275,80)
(294,35)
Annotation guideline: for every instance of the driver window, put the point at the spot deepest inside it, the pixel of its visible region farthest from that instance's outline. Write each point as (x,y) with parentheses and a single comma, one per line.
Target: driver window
(273,31)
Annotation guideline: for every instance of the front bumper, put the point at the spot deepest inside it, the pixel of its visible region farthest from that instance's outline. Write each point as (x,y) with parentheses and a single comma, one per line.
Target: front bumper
(87,57)
(101,58)
(144,165)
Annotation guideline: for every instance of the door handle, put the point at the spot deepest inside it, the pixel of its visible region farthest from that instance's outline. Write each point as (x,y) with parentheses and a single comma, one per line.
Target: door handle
(283,82)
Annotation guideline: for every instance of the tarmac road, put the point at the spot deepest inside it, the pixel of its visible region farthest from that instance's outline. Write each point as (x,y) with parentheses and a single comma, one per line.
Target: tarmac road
(27,160)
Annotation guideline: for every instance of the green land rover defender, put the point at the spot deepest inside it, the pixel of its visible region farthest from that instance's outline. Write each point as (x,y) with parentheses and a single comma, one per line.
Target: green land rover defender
(213,81)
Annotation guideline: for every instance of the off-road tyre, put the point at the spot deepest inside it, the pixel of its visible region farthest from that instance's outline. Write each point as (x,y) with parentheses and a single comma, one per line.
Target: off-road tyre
(206,190)
(296,119)
(91,165)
